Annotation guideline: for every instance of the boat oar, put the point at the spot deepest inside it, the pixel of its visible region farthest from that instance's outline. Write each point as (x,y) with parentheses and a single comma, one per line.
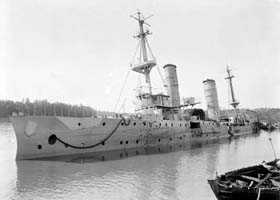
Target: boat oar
(251,178)
(263,180)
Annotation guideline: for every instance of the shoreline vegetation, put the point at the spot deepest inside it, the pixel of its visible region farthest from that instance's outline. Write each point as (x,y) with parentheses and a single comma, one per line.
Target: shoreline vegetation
(43,107)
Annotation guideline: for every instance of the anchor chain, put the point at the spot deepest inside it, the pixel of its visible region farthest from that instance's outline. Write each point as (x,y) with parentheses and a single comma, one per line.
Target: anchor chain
(126,123)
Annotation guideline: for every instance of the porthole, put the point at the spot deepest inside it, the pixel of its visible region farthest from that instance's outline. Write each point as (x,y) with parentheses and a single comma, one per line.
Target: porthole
(39,146)
(159,124)
(52,139)
(137,141)
(144,123)
(166,124)
(170,139)
(79,124)
(122,124)
(134,124)
(171,124)
(103,124)
(181,138)
(126,142)
(158,140)
(121,142)
(103,143)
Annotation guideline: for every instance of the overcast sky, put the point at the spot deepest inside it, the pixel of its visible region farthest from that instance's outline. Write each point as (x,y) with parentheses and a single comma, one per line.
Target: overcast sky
(78,52)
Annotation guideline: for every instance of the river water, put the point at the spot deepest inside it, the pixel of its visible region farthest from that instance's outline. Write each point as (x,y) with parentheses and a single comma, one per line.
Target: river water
(180,174)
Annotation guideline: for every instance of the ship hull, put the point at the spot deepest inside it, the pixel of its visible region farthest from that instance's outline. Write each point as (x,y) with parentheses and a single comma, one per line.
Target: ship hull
(49,136)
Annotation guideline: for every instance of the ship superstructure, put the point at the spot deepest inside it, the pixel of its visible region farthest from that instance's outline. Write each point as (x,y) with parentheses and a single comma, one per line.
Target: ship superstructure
(160,106)
(160,119)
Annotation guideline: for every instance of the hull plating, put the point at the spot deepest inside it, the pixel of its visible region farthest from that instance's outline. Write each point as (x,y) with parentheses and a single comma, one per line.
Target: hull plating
(34,134)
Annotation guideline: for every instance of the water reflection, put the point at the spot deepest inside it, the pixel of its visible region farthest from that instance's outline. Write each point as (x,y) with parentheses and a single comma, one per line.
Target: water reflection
(152,174)
(127,153)
(164,172)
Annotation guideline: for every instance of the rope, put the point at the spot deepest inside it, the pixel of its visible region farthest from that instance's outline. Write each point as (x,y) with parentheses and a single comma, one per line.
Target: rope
(97,144)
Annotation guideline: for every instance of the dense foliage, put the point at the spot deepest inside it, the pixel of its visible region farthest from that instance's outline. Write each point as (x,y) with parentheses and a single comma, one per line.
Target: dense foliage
(43,107)
(269,115)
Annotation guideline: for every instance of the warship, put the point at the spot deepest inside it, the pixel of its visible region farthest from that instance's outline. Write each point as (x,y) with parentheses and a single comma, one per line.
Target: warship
(159,119)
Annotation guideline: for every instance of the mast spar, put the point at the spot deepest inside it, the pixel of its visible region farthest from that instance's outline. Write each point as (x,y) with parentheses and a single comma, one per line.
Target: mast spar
(234,102)
(145,64)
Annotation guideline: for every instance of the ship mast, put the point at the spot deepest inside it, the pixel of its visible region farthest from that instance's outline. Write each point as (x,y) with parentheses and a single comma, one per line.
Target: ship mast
(234,102)
(145,64)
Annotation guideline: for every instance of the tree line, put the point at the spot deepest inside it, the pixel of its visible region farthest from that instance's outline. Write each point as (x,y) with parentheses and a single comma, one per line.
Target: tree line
(43,107)
(269,115)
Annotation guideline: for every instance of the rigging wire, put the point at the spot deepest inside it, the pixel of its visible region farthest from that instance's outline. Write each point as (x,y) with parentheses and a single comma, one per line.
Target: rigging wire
(160,74)
(161,77)
(117,103)
(136,51)
(149,48)
(122,89)
(138,83)
(228,96)
(122,106)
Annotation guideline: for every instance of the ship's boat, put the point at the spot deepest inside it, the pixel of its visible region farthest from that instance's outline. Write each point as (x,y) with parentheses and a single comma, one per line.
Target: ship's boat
(159,119)
(260,182)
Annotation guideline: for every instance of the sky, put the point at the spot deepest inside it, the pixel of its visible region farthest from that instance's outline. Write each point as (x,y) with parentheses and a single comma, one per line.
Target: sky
(79,52)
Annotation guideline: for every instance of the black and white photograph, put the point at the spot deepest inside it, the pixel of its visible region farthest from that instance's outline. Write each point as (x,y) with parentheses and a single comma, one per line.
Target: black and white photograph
(140,100)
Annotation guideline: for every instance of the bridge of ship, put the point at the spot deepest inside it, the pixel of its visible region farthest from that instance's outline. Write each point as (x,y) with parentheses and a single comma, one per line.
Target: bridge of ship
(158,106)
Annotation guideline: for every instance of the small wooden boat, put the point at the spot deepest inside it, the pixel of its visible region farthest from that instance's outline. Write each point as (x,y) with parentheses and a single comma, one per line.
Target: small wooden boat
(259,182)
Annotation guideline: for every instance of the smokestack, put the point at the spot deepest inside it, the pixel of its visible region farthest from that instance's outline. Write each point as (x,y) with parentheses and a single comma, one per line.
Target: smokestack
(211,97)
(171,81)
